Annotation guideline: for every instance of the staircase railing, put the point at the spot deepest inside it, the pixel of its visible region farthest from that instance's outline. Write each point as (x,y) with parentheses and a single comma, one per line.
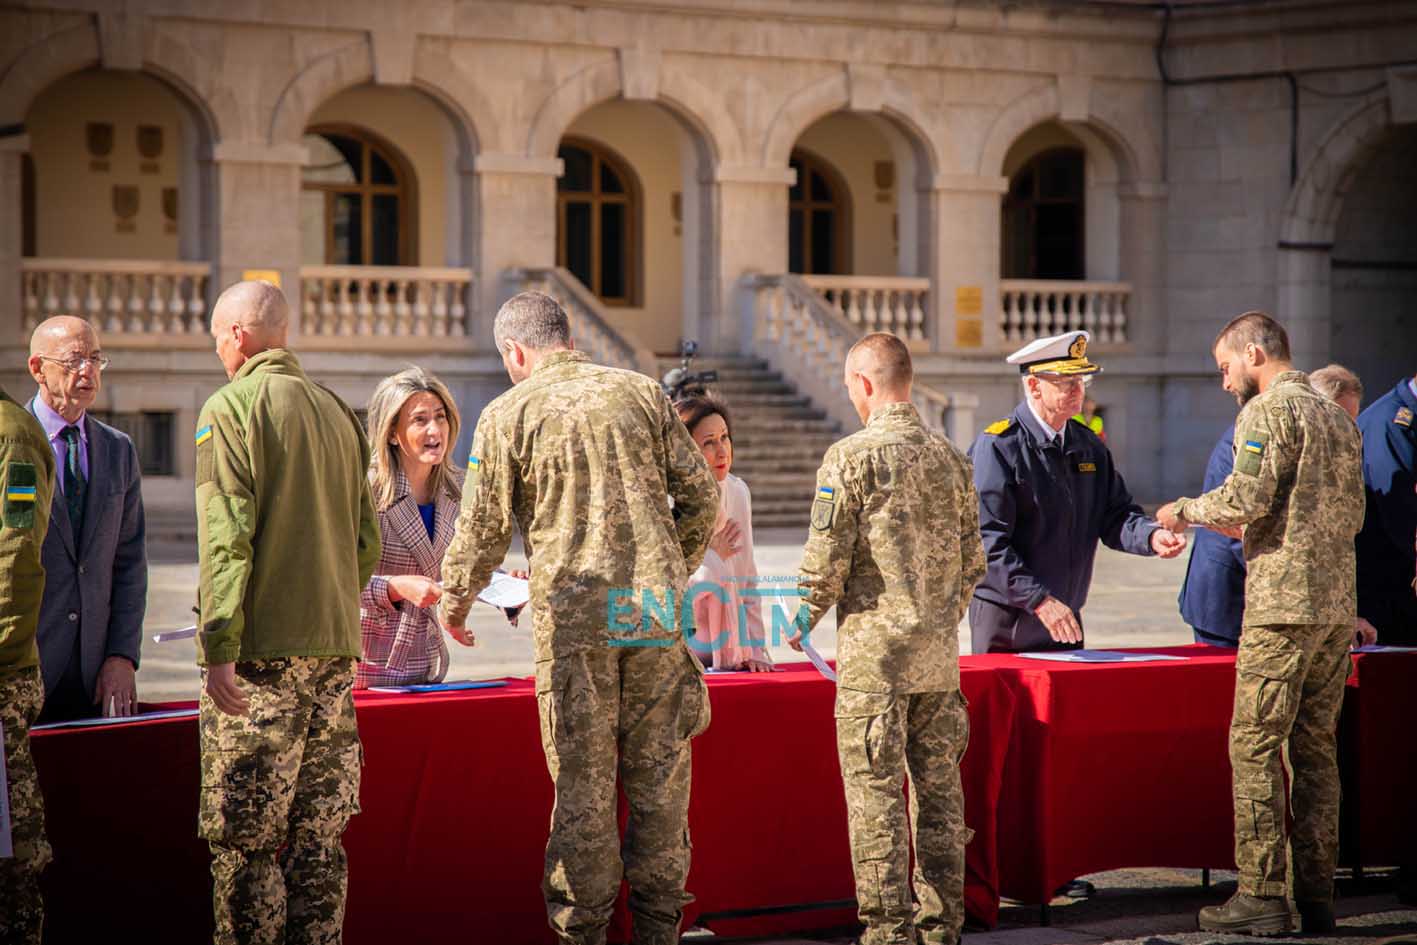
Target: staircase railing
(806,337)
(590,323)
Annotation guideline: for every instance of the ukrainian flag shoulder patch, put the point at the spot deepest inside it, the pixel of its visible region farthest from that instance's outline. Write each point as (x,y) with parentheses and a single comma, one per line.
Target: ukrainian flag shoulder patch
(21,494)
(826,492)
(204,434)
(1254,446)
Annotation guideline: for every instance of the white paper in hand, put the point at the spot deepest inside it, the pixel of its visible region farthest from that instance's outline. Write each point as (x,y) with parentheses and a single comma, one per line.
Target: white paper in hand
(186,633)
(817,660)
(7,848)
(506,591)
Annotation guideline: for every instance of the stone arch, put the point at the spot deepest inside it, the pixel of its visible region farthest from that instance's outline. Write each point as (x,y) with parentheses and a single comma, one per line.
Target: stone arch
(801,110)
(694,102)
(320,80)
(438,75)
(581,91)
(1311,213)
(41,65)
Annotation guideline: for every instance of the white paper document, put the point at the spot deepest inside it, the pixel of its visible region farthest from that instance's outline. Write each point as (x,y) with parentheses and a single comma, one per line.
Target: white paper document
(186,633)
(119,719)
(1380,648)
(1100,656)
(817,660)
(506,591)
(7,848)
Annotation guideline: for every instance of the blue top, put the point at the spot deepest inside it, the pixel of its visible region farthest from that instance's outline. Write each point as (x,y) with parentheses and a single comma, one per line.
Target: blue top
(1044,503)
(1385,555)
(1212,596)
(427,512)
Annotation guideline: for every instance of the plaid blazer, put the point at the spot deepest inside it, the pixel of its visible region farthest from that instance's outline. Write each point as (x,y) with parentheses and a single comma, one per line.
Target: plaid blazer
(403,644)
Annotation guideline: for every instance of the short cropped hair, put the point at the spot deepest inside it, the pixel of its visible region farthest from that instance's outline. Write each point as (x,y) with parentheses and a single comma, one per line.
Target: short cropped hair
(1335,380)
(890,357)
(695,408)
(534,320)
(1258,329)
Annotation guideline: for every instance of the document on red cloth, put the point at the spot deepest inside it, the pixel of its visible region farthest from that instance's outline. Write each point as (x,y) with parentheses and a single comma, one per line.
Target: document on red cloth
(1099,656)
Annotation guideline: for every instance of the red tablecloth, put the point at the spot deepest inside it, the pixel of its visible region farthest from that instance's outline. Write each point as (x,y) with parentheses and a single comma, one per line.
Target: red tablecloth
(456,804)
(1114,765)
(1379,761)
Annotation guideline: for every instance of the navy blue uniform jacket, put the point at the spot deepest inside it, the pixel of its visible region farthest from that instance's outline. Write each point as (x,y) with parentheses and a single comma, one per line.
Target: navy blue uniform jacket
(1213,593)
(1385,555)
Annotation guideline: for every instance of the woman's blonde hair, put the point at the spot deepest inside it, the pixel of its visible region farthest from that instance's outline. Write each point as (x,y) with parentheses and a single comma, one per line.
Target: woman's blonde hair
(384,407)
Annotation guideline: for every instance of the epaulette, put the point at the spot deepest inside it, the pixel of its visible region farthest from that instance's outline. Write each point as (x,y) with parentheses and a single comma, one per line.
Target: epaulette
(1403,417)
(994,429)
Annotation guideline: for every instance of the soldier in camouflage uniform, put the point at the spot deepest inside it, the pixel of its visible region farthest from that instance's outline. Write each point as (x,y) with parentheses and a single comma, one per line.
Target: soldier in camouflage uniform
(1297,487)
(27,476)
(895,546)
(287,538)
(584,460)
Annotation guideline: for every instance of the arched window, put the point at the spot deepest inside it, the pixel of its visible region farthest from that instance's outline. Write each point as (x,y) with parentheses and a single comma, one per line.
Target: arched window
(357,200)
(1043,218)
(597,221)
(818,218)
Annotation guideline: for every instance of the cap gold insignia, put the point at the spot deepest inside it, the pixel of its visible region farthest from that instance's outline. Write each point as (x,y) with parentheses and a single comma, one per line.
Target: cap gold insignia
(1078,348)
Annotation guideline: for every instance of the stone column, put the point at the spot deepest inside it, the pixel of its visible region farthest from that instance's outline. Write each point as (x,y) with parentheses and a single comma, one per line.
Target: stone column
(12,316)
(750,217)
(258,216)
(963,263)
(1142,258)
(516,227)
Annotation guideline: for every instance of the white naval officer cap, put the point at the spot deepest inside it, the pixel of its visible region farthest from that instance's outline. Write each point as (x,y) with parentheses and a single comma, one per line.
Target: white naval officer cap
(1064,354)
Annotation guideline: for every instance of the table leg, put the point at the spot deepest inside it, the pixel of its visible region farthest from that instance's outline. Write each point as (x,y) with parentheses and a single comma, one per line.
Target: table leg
(1044,916)
(1205,878)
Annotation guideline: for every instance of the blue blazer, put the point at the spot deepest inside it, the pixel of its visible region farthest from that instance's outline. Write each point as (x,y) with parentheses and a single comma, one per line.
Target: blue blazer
(1213,593)
(96,583)
(1385,553)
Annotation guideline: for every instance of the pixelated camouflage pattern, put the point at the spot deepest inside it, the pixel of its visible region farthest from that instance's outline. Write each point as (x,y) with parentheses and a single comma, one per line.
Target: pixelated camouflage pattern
(278,789)
(898,554)
(21,908)
(650,701)
(1288,692)
(584,459)
(1298,487)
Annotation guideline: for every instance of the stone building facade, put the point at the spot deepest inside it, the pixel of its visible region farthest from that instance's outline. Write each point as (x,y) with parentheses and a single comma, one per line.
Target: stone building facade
(771,177)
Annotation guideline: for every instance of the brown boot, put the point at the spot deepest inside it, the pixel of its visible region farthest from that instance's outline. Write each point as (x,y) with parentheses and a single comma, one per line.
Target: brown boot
(1252,915)
(1316,915)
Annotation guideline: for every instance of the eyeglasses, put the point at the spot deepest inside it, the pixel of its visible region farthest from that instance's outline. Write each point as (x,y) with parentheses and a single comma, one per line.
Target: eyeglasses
(76,364)
(1068,383)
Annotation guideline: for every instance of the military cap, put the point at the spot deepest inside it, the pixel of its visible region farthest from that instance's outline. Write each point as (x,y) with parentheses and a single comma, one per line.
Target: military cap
(1064,354)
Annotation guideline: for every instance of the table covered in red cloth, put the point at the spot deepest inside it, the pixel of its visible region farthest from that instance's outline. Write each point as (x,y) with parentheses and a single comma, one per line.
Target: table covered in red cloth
(1114,765)
(1379,761)
(456,804)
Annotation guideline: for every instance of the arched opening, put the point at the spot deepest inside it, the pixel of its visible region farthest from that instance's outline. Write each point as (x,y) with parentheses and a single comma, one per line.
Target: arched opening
(358,200)
(598,221)
(818,217)
(1374,266)
(1044,211)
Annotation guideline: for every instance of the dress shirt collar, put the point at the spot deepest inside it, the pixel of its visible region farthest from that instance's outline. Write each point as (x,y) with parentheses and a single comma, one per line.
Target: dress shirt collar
(1050,435)
(54,424)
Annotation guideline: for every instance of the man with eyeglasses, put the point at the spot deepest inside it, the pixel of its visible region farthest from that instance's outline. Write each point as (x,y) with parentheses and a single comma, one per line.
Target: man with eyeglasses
(91,623)
(1048,492)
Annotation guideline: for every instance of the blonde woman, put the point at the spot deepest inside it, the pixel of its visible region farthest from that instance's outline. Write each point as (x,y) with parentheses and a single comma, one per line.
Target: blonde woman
(413,424)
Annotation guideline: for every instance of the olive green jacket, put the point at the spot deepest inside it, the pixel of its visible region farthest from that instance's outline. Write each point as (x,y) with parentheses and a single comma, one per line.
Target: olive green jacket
(286,529)
(27,467)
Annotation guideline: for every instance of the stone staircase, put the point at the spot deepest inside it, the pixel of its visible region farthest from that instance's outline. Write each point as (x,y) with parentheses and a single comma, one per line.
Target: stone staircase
(779,437)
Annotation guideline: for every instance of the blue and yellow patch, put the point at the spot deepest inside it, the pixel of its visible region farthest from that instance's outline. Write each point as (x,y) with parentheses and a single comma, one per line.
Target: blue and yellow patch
(204,434)
(1254,446)
(824,508)
(20,494)
(826,492)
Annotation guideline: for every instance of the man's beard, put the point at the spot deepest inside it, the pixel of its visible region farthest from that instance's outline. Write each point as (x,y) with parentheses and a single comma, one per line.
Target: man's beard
(1248,390)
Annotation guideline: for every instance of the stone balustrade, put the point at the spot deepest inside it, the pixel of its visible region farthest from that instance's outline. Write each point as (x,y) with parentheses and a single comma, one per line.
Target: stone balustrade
(125,298)
(1037,308)
(590,324)
(896,304)
(393,301)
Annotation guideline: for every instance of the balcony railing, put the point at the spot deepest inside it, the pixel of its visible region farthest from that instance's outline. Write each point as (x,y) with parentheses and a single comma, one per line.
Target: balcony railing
(1037,308)
(896,304)
(384,301)
(125,298)
(590,324)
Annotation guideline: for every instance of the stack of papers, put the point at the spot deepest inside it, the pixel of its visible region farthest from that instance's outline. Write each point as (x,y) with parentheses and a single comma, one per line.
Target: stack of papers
(457,686)
(118,719)
(1380,648)
(506,592)
(1100,656)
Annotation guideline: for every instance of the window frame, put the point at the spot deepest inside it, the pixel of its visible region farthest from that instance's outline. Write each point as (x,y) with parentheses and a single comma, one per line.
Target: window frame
(1032,203)
(406,190)
(631,199)
(811,161)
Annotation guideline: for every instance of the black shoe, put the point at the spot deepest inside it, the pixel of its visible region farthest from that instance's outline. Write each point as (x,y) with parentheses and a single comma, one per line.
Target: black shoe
(1316,915)
(1076,889)
(1251,915)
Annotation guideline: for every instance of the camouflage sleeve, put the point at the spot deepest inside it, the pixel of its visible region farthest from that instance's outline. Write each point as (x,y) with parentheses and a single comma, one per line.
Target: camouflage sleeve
(973,564)
(370,541)
(484,528)
(226,525)
(1248,492)
(831,541)
(691,486)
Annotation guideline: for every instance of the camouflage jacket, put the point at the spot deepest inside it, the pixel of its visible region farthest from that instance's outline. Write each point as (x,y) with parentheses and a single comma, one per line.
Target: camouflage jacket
(286,531)
(584,459)
(895,546)
(1298,486)
(27,467)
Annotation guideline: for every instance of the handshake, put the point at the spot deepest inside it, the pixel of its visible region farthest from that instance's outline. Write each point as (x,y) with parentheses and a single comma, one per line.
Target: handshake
(1176,525)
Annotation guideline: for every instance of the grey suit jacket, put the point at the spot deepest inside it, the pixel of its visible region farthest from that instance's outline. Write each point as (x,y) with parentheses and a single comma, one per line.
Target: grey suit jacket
(96,583)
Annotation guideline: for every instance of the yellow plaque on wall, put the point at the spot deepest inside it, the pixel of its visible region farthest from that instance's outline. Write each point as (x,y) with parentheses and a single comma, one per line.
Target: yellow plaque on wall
(262,275)
(969,333)
(969,300)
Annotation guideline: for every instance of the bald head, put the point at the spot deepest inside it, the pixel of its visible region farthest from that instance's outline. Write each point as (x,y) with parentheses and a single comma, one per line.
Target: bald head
(67,364)
(248,318)
(56,335)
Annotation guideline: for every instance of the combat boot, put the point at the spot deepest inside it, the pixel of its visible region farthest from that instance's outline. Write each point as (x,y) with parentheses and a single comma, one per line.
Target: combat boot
(1316,915)
(1253,915)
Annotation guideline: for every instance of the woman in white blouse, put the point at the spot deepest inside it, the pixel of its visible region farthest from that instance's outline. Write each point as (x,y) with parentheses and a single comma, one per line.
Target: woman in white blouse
(722,643)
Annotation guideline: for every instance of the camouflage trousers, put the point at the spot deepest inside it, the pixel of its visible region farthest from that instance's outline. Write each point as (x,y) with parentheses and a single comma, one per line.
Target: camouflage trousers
(631,709)
(1288,692)
(21,909)
(278,789)
(879,737)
